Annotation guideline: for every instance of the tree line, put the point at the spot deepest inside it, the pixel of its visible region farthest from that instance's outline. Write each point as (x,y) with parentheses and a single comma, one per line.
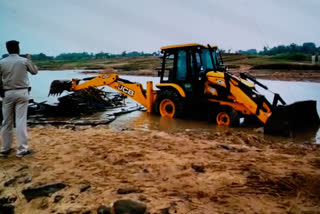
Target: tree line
(308,48)
(86,55)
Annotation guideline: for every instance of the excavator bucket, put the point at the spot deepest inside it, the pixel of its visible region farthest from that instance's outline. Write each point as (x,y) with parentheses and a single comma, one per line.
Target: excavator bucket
(296,117)
(58,86)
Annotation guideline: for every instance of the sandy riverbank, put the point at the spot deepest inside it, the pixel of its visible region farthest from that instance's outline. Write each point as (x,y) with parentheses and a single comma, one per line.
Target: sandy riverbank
(225,172)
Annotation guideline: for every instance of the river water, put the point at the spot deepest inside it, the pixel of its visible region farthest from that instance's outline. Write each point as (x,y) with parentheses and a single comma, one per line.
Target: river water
(290,91)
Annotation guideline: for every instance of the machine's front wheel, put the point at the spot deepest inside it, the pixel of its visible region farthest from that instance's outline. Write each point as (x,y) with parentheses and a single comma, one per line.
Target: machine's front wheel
(228,117)
(169,104)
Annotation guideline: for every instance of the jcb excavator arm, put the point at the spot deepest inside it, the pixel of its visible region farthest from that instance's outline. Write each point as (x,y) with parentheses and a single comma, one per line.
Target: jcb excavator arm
(133,90)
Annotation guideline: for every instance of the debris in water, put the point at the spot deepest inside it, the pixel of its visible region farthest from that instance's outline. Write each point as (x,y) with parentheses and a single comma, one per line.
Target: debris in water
(77,108)
(83,102)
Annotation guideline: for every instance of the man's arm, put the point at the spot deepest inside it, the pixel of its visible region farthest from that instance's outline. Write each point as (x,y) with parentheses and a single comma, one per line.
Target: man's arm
(32,68)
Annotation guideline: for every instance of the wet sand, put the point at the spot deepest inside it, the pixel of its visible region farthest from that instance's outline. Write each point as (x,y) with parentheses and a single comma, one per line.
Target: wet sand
(187,172)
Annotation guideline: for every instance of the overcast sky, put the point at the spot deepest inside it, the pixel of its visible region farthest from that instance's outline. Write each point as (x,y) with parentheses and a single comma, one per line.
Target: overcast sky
(56,26)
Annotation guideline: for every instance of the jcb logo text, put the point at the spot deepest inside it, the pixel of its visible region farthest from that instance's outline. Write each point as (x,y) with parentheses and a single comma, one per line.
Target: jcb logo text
(126,90)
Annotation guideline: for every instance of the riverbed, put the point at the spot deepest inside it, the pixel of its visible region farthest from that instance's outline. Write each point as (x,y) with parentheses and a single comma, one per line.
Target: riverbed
(291,91)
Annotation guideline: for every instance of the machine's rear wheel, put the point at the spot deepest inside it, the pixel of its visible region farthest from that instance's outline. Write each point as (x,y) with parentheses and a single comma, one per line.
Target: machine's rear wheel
(167,108)
(169,104)
(228,117)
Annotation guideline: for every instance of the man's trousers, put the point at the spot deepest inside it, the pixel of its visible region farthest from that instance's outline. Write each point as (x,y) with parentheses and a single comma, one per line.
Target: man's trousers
(15,102)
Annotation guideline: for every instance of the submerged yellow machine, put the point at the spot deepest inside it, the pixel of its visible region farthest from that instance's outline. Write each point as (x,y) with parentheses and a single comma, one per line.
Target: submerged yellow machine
(194,79)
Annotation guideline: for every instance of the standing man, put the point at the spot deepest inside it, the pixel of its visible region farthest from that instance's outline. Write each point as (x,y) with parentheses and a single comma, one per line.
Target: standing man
(15,83)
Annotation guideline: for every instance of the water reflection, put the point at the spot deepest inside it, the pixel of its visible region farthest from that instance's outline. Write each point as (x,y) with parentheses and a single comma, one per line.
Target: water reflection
(145,121)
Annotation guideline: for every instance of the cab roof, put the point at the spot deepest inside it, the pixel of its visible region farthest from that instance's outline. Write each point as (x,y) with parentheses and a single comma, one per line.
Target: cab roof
(186,46)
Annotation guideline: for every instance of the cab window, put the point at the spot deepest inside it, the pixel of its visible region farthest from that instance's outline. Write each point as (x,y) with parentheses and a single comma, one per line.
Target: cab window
(194,65)
(207,61)
(168,68)
(181,65)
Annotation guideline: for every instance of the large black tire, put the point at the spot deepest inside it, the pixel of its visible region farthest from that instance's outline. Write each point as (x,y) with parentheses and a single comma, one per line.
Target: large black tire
(169,104)
(227,116)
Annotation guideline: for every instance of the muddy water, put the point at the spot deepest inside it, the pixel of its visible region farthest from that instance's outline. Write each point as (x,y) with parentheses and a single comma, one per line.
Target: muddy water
(290,91)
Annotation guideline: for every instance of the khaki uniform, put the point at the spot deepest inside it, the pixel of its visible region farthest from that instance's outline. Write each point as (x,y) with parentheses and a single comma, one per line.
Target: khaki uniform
(14,76)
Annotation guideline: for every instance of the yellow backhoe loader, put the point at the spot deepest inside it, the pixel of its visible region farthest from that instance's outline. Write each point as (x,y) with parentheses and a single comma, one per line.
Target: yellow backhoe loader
(194,79)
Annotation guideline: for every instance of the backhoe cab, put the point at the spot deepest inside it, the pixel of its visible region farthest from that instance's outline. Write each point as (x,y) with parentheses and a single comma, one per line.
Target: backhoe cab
(189,63)
(183,75)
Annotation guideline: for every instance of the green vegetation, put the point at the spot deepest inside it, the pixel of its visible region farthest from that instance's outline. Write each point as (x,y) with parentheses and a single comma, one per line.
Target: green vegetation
(280,61)
(289,61)
(126,65)
(291,57)
(307,48)
(131,61)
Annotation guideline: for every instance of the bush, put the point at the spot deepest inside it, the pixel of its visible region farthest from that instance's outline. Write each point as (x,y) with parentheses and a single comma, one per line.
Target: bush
(291,56)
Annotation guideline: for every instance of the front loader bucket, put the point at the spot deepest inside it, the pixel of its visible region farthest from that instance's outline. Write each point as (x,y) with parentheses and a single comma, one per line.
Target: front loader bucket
(296,117)
(58,86)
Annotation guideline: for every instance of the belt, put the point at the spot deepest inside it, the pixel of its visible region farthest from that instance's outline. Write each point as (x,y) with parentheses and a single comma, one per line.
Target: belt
(16,89)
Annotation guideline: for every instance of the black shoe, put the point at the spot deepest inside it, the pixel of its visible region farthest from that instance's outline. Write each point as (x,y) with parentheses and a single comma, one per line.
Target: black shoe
(24,153)
(5,153)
